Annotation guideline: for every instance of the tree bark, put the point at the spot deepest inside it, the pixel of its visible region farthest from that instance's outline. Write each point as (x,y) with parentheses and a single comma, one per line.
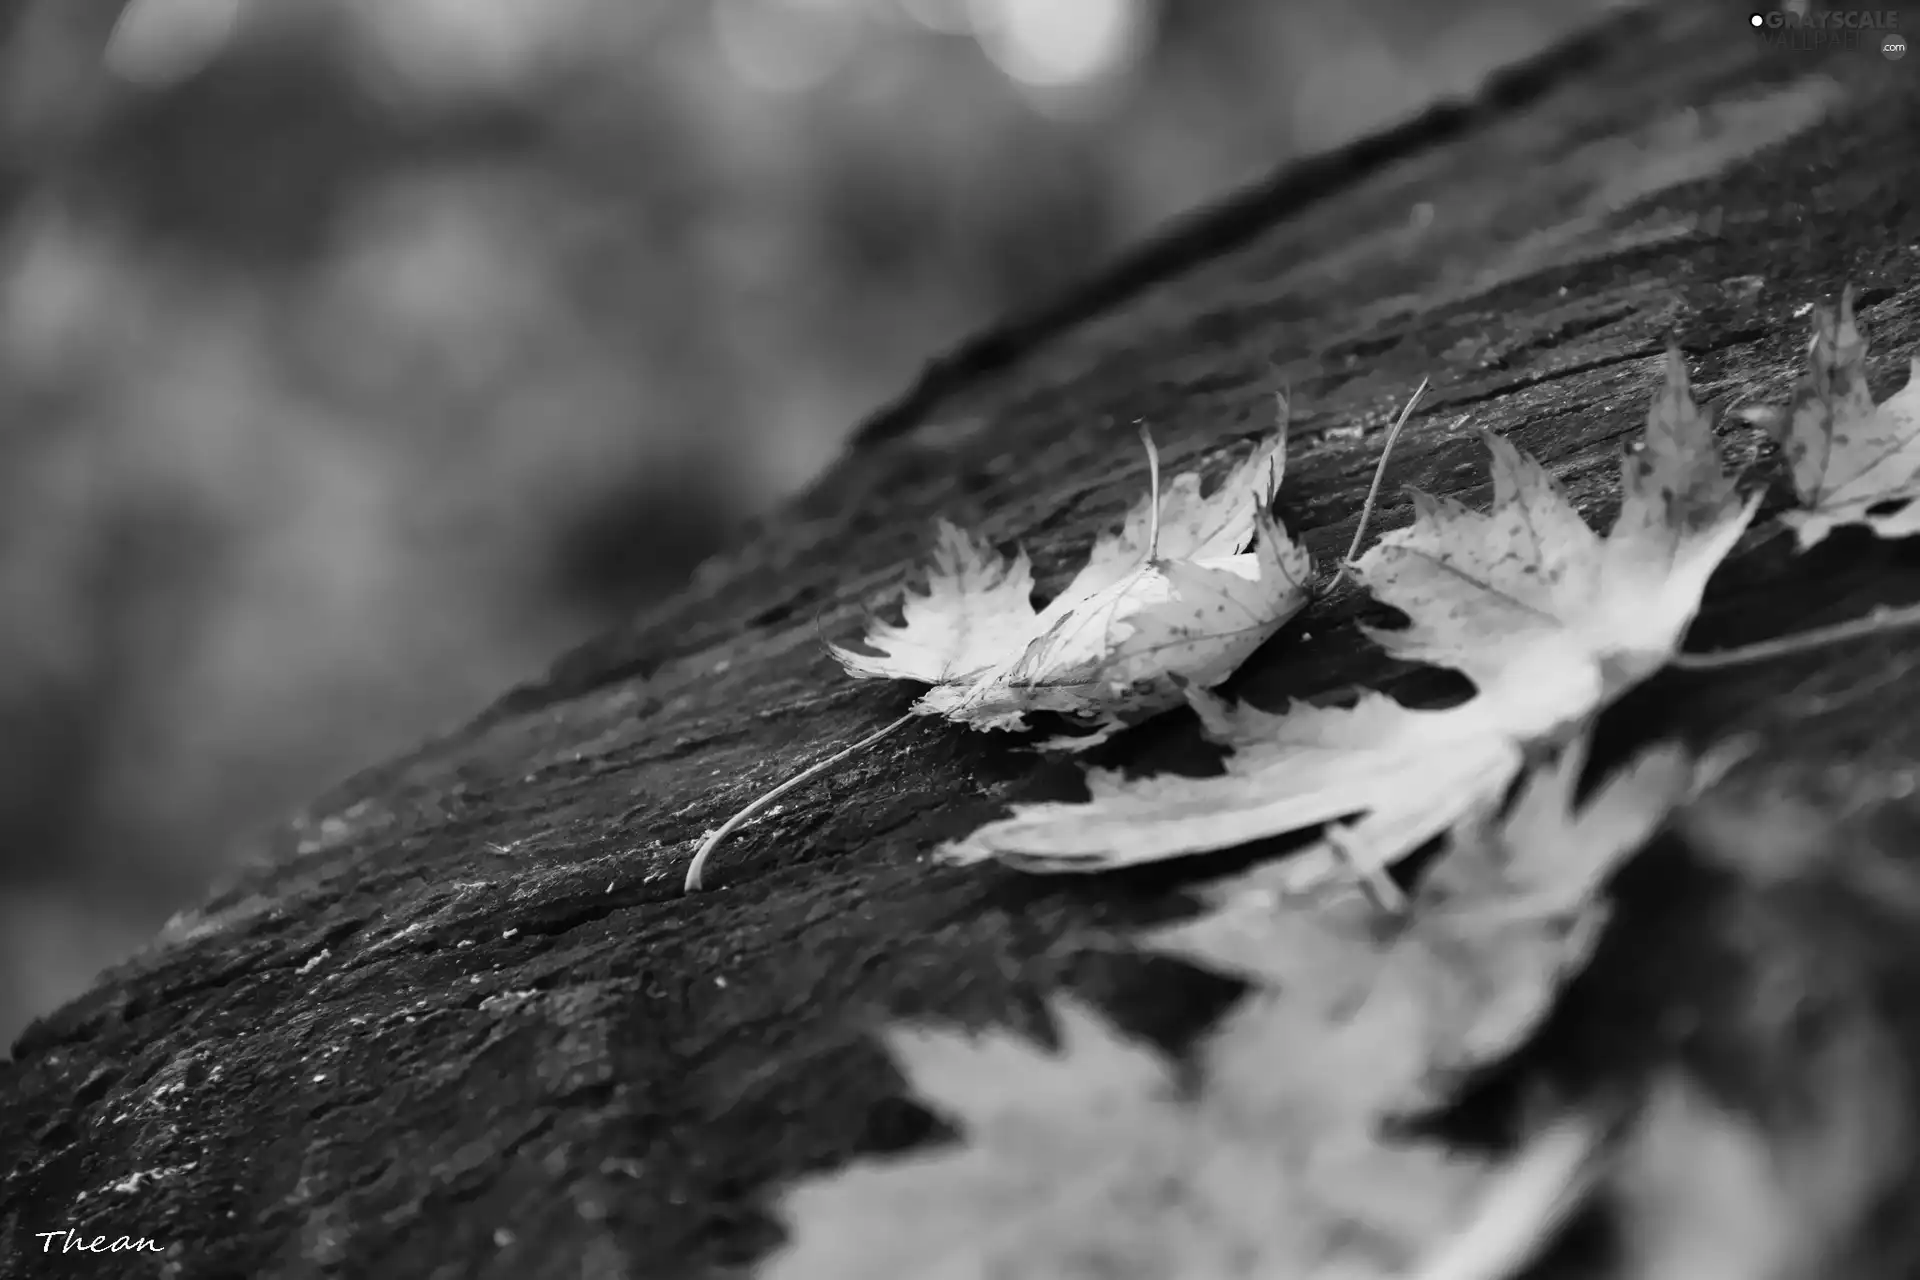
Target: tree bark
(458,1018)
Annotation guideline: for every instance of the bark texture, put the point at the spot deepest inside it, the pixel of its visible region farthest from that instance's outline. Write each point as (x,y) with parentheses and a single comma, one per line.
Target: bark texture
(457,1019)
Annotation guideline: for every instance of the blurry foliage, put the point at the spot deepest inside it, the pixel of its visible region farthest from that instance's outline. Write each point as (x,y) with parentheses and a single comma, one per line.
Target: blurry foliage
(358,355)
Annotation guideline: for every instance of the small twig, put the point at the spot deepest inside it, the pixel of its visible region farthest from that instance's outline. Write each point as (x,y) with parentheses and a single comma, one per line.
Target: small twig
(1153,493)
(1882,619)
(1373,491)
(713,839)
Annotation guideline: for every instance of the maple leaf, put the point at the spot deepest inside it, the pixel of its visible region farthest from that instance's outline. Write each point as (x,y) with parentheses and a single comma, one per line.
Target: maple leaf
(1151,618)
(1410,773)
(1531,586)
(1095,1162)
(1175,598)
(1507,913)
(1514,908)
(1548,619)
(1852,462)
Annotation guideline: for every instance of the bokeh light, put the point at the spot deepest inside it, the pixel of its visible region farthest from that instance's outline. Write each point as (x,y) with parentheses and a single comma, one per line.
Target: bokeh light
(1052,44)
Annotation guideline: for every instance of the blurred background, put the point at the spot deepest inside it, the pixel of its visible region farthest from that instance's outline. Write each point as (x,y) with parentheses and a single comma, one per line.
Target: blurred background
(358,356)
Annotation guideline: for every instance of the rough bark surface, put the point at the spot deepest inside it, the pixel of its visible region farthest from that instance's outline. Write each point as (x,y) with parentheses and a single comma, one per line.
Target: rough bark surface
(458,1019)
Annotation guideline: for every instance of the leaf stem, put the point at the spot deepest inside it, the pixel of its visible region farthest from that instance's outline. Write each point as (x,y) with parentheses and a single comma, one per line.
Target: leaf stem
(707,846)
(1374,881)
(1153,493)
(1881,619)
(1373,490)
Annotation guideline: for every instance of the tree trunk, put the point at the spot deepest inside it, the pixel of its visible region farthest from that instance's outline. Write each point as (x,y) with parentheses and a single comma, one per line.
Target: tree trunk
(459,1019)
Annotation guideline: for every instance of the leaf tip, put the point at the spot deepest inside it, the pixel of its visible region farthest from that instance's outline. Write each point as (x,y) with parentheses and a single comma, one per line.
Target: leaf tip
(1676,363)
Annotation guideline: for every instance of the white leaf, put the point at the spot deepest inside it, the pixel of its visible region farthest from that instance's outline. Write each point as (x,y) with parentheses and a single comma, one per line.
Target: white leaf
(1853,462)
(1175,599)
(1548,619)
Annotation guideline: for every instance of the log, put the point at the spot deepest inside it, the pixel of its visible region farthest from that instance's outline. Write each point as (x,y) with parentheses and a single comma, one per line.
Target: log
(459,1019)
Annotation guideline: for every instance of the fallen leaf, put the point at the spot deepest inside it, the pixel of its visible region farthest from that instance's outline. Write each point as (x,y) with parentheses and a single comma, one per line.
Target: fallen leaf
(1172,603)
(1174,599)
(1410,773)
(1095,1162)
(1852,462)
(1054,1145)
(1508,912)
(1514,907)
(1549,620)
(1708,1193)
(1530,588)
(1170,606)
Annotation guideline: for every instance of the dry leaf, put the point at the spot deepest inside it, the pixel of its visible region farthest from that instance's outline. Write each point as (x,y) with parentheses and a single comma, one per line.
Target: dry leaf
(1529,590)
(1411,773)
(1063,1168)
(1505,916)
(1172,603)
(1706,1193)
(1170,606)
(1514,908)
(1174,598)
(1092,1163)
(1852,462)
(1548,619)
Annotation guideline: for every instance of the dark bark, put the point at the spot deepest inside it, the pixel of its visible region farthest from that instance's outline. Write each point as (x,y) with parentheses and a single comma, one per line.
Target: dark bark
(458,1019)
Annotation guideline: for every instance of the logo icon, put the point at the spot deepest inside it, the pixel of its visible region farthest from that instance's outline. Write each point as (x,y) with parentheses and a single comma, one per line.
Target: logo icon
(1895,47)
